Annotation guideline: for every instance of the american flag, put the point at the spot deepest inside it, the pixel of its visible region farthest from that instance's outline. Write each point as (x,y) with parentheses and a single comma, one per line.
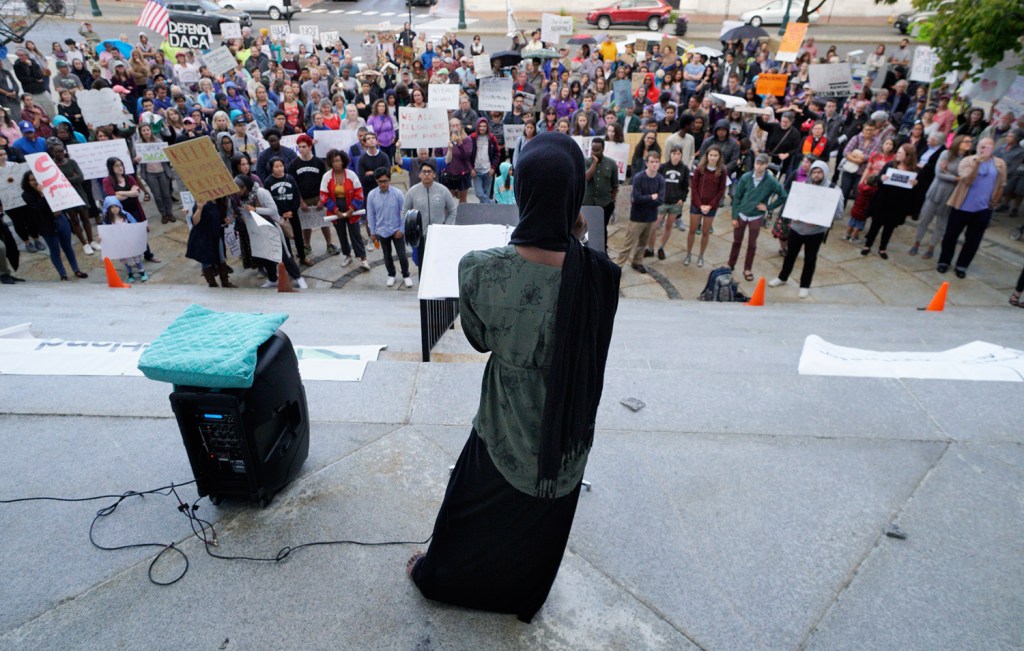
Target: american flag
(154,16)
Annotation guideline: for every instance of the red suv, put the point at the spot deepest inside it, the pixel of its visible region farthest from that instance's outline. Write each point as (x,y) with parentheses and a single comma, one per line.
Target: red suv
(652,13)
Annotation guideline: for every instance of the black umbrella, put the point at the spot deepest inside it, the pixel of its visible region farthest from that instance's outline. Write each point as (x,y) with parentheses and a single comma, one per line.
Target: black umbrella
(743,32)
(506,58)
(581,39)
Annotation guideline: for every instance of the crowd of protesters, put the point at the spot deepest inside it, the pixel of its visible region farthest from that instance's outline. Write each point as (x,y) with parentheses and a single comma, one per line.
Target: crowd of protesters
(744,157)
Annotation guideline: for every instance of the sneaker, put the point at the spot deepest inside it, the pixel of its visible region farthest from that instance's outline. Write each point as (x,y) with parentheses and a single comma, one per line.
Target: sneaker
(346,261)
(391,281)
(942,268)
(95,246)
(960,273)
(680,225)
(87,249)
(698,230)
(804,292)
(333,250)
(301,283)
(775,282)
(700,261)
(686,260)
(144,277)
(846,238)
(364,265)
(648,253)
(269,284)
(866,250)
(408,281)
(661,253)
(131,278)
(40,247)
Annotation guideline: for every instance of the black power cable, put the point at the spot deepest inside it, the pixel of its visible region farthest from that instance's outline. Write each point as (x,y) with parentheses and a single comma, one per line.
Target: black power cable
(199,530)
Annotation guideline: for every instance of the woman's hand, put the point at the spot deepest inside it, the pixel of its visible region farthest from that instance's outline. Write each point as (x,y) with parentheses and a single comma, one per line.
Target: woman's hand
(705,209)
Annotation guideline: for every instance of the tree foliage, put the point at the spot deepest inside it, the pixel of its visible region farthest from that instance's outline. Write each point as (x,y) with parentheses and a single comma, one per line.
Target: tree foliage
(971,35)
(18,17)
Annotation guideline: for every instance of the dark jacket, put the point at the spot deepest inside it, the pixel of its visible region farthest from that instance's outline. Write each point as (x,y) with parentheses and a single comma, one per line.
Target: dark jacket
(642,207)
(204,240)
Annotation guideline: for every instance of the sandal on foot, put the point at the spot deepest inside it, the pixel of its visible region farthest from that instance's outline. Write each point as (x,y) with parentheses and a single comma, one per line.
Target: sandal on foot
(1015,299)
(927,255)
(748,276)
(413,561)
(913,250)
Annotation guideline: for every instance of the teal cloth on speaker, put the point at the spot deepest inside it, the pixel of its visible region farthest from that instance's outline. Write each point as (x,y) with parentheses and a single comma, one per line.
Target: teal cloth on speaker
(204,348)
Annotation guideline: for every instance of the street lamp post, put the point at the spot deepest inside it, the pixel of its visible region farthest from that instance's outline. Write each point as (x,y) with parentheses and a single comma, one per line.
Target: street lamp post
(95,8)
(785,18)
(462,14)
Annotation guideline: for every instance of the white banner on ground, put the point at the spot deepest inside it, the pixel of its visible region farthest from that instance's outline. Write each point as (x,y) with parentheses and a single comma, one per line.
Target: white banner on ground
(482,66)
(151,152)
(618,152)
(220,60)
(899,178)
(230,30)
(831,79)
(978,361)
(21,355)
(327,140)
(56,188)
(10,185)
(102,107)
(812,204)
(328,39)
(922,66)
(444,96)
(495,94)
(122,241)
(264,237)
(553,27)
(427,127)
(439,275)
(92,157)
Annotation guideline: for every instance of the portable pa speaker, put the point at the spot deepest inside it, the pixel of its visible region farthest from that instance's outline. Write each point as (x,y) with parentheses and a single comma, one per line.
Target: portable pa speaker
(250,442)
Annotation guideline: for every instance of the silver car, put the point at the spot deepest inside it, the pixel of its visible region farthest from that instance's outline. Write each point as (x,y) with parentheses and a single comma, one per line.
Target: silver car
(276,9)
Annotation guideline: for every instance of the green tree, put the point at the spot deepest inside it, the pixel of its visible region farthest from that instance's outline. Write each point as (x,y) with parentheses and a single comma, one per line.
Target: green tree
(971,34)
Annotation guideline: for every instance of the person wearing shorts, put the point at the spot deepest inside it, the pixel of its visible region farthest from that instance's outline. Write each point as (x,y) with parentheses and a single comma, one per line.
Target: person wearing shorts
(707,187)
(677,188)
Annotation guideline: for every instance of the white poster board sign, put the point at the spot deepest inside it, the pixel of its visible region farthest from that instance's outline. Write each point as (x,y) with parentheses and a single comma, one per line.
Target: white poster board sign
(59,192)
(264,237)
(328,39)
(122,241)
(583,142)
(312,31)
(553,27)
(341,140)
(291,142)
(312,217)
(295,40)
(482,66)
(151,152)
(922,67)
(812,204)
(279,32)
(512,133)
(444,96)
(230,30)
(495,94)
(831,79)
(92,157)
(899,178)
(618,152)
(439,275)
(10,185)
(426,127)
(102,107)
(189,36)
(220,60)
(188,77)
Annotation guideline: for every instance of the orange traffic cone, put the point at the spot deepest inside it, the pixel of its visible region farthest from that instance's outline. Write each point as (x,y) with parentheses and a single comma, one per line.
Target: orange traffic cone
(757,299)
(938,303)
(284,281)
(113,280)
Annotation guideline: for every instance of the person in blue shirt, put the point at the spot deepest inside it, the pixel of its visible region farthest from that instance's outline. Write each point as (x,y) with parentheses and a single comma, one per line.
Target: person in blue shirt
(29,142)
(384,219)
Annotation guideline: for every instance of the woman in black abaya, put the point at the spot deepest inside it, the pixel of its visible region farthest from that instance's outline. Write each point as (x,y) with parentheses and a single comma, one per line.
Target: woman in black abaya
(543,307)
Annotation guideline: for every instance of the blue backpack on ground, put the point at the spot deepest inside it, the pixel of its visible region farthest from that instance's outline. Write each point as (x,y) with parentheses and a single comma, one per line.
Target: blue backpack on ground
(721,288)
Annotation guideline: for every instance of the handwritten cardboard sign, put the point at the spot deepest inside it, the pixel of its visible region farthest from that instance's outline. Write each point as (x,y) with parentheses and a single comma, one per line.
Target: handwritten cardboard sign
(102,107)
(495,94)
(312,31)
(10,185)
(482,66)
(922,67)
(426,127)
(618,152)
(151,152)
(56,188)
(791,41)
(264,237)
(230,30)
(444,96)
(328,39)
(636,80)
(772,84)
(279,32)
(831,79)
(553,27)
(92,157)
(197,163)
(812,204)
(220,60)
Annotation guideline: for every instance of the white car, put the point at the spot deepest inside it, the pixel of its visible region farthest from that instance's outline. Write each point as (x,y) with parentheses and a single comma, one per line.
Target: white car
(274,8)
(773,13)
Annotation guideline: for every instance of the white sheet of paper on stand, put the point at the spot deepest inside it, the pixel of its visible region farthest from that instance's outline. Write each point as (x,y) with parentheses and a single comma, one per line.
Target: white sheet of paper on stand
(446,244)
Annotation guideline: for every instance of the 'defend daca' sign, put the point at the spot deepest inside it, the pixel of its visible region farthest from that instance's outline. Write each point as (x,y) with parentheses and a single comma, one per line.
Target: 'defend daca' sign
(189,35)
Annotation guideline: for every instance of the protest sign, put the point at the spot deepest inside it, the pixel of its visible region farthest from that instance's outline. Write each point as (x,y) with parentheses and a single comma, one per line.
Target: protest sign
(232,243)
(102,107)
(279,32)
(325,141)
(553,27)
(754,110)
(444,96)
(312,217)
(922,68)
(769,84)
(812,204)
(230,30)
(879,80)
(495,94)
(295,40)
(640,45)
(10,185)
(189,35)
(669,45)
(220,60)
(529,101)
(264,238)
(291,142)
(831,79)
(636,80)
(482,66)
(426,127)
(122,241)
(188,77)
(791,41)
(618,152)
(56,188)
(1006,105)
(252,130)
(151,152)
(899,178)
(328,39)
(312,31)
(200,167)
(369,52)
(512,133)
(187,202)
(92,157)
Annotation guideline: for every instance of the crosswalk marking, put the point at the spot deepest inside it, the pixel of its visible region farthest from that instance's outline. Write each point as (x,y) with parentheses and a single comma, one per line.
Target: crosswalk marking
(335,11)
(353,12)
(369,13)
(319,11)
(388,13)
